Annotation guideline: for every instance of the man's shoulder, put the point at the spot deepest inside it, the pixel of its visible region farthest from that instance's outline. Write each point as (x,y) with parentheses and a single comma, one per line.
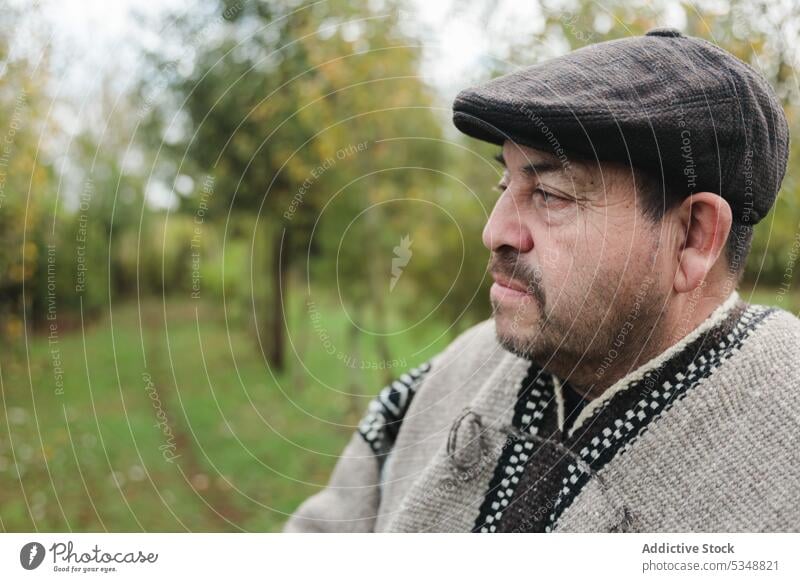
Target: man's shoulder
(386,413)
(730,440)
(781,318)
(778,336)
(759,381)
(756,383)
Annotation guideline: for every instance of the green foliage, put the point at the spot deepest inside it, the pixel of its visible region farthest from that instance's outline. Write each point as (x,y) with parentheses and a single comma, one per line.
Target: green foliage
(26,185)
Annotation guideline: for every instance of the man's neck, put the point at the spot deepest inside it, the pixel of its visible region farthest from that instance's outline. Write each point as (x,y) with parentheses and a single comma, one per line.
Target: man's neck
(683,315)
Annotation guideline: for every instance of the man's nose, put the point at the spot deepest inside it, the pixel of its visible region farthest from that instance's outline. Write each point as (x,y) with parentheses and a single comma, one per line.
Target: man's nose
(506,227)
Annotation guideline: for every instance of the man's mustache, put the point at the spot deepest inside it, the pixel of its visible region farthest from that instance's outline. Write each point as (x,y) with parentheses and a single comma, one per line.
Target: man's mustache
(510,267)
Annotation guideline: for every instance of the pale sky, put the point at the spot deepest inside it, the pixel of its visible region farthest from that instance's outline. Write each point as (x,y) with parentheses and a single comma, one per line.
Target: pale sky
(89,36)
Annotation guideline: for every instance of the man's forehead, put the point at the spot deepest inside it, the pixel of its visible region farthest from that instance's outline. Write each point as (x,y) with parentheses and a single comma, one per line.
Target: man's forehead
(541,163)
(533,161)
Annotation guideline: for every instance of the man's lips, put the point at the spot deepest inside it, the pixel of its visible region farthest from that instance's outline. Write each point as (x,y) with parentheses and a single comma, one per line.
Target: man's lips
(509,284)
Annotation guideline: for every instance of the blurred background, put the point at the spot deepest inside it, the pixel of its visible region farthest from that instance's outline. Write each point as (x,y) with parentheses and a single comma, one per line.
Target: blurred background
(224,226)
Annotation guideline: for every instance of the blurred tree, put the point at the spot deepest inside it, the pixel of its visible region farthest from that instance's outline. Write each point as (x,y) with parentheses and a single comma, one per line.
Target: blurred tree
(26,179)
(284,108)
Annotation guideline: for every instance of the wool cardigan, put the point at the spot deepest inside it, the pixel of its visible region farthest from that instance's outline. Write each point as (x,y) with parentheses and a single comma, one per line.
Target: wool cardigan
(703,437)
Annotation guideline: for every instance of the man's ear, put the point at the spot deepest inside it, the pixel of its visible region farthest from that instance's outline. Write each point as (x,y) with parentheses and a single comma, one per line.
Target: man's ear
(705,220)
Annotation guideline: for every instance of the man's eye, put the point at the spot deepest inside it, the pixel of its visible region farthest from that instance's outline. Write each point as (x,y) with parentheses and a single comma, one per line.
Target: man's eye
(546,196)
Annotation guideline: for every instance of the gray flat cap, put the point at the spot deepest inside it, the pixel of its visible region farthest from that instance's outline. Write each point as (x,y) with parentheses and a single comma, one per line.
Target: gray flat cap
(679,107)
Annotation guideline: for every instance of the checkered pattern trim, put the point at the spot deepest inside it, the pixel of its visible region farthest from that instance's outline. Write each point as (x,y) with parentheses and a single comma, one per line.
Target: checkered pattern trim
(386,411)
(653,395)
(535,396)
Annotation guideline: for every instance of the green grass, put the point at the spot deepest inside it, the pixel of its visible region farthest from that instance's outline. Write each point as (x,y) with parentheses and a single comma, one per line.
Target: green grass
(252,446)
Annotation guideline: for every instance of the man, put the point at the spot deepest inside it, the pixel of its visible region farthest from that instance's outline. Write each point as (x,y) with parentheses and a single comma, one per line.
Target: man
(622,383)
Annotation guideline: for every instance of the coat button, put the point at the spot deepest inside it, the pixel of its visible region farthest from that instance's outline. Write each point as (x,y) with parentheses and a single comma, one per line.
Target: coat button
(466,444)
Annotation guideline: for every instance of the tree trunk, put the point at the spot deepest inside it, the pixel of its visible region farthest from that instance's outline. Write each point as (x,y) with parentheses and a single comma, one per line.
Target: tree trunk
(279,267)
(355,402)
(379,283)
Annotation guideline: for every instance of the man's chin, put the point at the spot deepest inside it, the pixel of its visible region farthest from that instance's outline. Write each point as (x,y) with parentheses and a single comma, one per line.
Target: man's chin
(515,336)
(516,346)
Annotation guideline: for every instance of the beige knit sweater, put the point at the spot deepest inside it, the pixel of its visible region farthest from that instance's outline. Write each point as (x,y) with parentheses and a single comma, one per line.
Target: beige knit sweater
(704,437)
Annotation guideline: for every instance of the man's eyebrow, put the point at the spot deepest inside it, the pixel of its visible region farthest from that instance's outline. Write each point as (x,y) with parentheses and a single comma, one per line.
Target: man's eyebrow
(536,169)
(532,168)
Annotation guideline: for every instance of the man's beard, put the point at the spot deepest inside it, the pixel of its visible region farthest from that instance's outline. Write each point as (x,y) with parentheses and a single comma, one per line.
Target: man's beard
(608,322)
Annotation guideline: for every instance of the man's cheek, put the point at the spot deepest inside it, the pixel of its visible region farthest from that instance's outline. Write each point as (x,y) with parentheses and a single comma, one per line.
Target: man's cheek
(550,259)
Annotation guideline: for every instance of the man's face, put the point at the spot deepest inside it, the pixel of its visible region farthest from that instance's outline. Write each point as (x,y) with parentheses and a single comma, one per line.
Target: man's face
(574,261)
